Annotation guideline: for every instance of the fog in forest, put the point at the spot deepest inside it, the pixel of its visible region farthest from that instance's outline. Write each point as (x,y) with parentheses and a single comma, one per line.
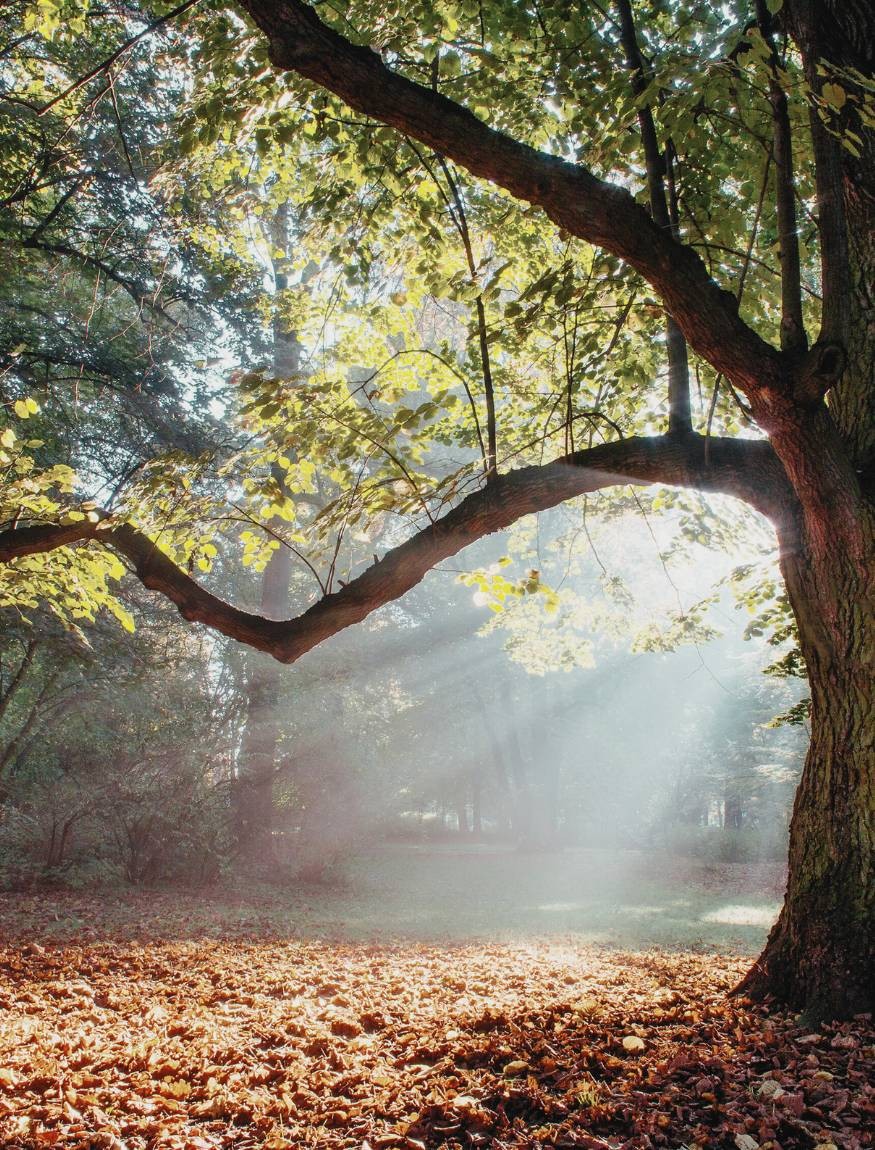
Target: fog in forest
(556,716)
(437,512)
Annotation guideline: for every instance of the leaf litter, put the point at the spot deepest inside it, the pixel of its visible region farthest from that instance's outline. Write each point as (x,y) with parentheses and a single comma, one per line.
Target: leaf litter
(258,1041)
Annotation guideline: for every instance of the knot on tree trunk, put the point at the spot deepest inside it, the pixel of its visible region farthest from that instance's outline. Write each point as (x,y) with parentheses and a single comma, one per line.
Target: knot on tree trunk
(819,370)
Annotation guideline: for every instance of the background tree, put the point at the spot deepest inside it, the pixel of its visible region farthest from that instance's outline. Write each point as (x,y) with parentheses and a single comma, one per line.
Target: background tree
(104,774)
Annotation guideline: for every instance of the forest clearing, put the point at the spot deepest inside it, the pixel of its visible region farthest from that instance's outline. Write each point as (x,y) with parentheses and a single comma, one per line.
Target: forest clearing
(437,536)
(203,1019)
(433,893)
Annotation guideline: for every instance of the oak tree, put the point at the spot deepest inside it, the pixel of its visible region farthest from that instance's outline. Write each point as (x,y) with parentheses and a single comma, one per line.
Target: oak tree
(699,152)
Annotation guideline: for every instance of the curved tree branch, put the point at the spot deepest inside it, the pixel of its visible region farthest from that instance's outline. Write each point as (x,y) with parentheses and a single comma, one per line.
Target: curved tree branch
(592,209)
(747,469)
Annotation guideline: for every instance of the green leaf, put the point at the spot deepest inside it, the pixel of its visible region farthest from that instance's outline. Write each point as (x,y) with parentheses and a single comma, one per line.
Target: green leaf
(835,95)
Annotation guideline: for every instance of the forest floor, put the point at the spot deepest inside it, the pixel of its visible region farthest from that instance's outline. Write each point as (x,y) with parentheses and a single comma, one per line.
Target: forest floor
(453,893)
(188,1020)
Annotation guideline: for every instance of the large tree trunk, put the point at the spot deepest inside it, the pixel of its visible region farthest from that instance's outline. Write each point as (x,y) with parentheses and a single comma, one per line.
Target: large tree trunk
(821,953)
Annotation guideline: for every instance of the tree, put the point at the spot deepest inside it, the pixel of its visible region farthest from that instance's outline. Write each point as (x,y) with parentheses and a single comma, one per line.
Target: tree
(792,87)
(100,774)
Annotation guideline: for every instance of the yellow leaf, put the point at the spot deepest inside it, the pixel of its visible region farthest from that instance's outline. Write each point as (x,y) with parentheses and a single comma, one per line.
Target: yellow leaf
(125,618)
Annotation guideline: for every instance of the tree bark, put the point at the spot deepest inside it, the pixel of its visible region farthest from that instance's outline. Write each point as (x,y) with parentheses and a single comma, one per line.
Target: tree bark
(820,956)
(821,953)
(256,772)
(679,411)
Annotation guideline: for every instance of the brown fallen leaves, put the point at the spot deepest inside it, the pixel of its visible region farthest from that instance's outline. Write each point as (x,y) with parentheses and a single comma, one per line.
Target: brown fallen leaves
(260,1042)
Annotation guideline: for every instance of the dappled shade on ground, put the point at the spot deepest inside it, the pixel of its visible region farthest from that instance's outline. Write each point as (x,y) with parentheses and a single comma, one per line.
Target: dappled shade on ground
(256,1040)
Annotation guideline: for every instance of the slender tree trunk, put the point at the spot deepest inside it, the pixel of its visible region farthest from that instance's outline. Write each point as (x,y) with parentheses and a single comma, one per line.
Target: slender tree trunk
(732,809)
(253,793)
(10,754)
(9,693)
(462,809)
(50,850)
(476,815)
(553,785)
(504,791)
(258,752)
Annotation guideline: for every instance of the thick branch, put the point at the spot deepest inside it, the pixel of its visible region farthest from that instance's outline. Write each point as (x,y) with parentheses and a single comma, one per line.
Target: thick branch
(747,469)
(592,209)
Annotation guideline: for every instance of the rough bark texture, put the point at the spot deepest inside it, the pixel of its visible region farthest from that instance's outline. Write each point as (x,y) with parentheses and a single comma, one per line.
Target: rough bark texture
(821,954)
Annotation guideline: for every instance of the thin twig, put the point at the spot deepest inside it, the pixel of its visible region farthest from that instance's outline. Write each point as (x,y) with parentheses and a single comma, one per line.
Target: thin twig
(98,69)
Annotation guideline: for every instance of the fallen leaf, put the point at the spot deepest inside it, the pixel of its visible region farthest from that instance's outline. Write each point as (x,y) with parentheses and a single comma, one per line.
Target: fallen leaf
(633,1044)
(512,1069)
